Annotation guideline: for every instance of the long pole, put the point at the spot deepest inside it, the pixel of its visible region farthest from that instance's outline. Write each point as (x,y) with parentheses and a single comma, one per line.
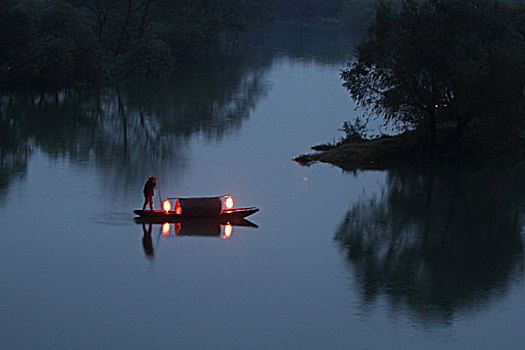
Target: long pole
(160,198)
(154,172)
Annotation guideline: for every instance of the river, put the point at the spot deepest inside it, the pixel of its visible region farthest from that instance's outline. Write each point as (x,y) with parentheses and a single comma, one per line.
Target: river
(402,258)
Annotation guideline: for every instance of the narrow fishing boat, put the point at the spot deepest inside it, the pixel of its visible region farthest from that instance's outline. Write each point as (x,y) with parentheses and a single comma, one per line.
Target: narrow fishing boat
(209,208)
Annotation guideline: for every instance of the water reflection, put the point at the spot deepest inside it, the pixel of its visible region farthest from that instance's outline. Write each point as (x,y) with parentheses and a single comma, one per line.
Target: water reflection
(14,148)
(299,42)
(437,242)
(133,126)
(147,241)
(195,227)
(127,128)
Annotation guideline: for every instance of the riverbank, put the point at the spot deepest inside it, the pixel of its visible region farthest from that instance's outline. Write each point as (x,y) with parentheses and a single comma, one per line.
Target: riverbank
(387,151)
(380,153)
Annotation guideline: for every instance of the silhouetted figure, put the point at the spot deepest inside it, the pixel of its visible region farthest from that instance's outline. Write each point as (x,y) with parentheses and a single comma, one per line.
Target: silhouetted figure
(146,240)
(148,192)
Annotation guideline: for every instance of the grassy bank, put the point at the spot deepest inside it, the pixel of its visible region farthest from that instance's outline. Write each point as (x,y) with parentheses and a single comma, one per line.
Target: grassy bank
(387,151)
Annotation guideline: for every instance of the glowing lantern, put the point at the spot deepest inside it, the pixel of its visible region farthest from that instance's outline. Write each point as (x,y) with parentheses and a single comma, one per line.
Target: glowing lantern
(228,202)
(166,205)
(178,208)
(228,230)
(166,228)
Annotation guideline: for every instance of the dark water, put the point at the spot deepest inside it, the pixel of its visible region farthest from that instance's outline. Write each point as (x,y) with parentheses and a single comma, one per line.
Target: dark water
(405,258)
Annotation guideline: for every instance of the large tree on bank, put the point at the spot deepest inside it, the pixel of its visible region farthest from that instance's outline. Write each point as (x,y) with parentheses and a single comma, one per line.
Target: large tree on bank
(428,62)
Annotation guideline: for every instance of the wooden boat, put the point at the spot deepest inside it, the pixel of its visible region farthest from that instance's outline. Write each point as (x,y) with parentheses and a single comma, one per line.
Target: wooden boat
(210,208)
(226,215)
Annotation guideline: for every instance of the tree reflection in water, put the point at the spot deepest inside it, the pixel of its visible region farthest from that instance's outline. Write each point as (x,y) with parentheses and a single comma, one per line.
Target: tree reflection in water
(123,129)
(437,243)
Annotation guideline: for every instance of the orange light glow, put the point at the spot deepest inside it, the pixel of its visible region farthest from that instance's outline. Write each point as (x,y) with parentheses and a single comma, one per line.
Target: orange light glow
(228,202)
(228,230)
(167,206)
(178,208)
(178,227)
(166,228)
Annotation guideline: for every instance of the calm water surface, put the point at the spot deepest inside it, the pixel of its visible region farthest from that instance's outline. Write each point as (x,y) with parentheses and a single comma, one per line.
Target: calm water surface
(404,258)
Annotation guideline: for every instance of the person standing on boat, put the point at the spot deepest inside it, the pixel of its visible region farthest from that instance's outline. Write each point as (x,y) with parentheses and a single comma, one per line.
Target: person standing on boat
(148,192)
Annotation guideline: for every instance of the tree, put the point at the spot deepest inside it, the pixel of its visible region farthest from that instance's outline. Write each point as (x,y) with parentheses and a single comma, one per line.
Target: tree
(63,48)
(46,45)
(15,36)
(145,56)
(430,62)
(63,42)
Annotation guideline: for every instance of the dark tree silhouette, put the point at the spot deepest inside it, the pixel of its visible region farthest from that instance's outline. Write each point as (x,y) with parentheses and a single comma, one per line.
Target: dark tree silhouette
(431,62)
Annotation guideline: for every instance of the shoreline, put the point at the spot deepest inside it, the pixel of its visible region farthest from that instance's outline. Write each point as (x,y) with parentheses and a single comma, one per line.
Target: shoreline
(386,152)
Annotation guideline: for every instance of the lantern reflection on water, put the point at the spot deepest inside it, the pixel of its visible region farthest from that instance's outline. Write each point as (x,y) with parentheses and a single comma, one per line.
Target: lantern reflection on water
(199,227)
(227,230)
(166,228)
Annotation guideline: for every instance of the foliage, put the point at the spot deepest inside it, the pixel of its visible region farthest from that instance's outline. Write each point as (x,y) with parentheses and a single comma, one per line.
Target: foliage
(60,43)
(144,57)
(65,42)
(190,27)
(436,61)
(48,46)
(15,35)
(355,131)
(71,46)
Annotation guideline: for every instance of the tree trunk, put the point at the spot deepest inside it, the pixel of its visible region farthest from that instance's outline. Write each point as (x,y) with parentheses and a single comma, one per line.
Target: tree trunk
(143,20)
(124,29)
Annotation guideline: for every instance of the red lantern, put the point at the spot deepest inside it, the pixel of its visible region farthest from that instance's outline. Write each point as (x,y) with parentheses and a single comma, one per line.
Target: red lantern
(228,202)
(178,208)
(167,206)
